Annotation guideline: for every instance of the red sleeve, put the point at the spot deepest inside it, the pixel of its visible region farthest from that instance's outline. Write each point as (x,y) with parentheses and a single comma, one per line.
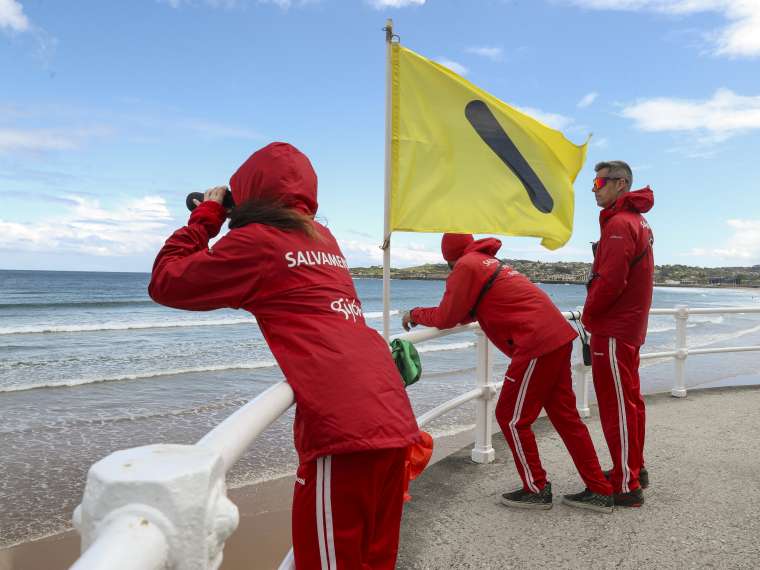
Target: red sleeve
(616,251)
(189,275)
(462,289)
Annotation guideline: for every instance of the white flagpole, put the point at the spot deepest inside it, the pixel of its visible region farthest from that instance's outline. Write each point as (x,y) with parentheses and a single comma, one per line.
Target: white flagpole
(386,247)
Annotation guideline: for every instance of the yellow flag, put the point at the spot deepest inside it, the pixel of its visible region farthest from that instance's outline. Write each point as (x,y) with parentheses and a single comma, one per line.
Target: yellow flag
(464,161)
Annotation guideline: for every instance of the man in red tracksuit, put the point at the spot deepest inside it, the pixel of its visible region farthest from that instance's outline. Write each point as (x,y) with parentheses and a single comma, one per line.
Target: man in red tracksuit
(520,319)
(617,313)
(354,422)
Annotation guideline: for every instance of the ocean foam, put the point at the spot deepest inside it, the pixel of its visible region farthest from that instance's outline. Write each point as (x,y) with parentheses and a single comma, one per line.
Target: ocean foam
(379,314)
(141,325)
(116,326)
(78,304)
(143,376)
(442,347)
(715,339)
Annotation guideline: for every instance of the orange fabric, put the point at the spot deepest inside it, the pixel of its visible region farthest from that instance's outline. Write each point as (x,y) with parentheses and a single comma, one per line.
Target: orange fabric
(417,457)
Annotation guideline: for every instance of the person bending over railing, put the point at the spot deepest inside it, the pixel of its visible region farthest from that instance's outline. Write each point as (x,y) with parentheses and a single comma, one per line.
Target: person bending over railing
(353,421)
(520,319)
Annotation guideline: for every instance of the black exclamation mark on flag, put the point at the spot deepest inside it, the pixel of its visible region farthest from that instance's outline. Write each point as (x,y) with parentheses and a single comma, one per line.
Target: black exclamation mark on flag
(485,124)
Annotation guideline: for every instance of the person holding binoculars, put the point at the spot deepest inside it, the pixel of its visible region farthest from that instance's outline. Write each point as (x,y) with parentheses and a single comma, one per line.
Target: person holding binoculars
(354,423)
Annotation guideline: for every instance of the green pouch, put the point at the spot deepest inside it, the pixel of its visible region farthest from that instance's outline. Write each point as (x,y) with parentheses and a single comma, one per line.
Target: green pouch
(407,360)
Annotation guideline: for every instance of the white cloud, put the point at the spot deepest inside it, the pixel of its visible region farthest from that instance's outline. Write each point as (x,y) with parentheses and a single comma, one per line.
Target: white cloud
(19,139)
(588,99)
(69,134)
(453,65)
(13,19)
(554,120)
(743,245)
(212,3)
(363,253)
(284,4)
(380,4)
(526,248)
(46,139)
(720,117)
(217,130)
(494,53)
(137,226)
(741,37)
(12,16)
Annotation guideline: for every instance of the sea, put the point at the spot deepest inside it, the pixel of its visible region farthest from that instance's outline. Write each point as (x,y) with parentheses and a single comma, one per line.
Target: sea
(89,365)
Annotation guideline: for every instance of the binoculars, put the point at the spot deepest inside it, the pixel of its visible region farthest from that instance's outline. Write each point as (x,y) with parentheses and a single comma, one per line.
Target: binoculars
(228,202)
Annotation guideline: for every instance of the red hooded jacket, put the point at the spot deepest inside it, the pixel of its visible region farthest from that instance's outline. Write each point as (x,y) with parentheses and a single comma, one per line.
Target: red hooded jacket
(517,316)
(349,395)
(620,292)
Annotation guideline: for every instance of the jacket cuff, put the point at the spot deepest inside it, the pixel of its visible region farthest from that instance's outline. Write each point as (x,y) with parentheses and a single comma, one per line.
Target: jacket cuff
(210,215)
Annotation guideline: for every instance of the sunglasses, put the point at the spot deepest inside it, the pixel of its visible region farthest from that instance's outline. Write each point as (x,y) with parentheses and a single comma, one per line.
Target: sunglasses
(601,181)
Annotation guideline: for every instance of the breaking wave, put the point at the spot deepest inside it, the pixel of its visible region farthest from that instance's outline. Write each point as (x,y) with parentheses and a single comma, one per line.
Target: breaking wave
(139,376)
(116,326)
(142,325)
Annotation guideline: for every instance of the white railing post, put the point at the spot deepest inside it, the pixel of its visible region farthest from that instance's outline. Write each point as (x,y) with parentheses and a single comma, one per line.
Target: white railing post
(175,492)
(679,383)
(580,374)
(483,451)
(580,382)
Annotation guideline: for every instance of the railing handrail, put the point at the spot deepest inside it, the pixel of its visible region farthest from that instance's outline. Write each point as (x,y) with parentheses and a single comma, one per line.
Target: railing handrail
(232,437)
(258,414)
(250,420)
(706,310)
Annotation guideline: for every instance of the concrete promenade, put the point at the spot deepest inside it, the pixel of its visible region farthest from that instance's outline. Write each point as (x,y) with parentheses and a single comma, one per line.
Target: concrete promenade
(702,509)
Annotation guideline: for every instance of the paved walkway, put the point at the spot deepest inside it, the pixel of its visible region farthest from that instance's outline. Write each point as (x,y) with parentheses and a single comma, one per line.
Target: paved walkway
(702,509)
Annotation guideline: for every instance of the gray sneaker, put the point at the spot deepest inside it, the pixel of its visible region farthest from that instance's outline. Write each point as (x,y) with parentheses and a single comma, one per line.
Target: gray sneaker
(523,499)
(591,501)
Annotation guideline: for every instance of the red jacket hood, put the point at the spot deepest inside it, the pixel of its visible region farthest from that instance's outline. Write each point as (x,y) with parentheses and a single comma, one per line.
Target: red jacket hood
(278,171)
(640,201)
(489,246)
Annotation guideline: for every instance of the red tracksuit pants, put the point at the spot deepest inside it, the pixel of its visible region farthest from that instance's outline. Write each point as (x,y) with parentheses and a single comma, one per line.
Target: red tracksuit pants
(546,382)
(347,511)
(615,367)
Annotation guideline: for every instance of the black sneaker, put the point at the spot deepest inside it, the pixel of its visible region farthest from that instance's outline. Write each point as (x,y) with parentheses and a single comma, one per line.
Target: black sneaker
(633,498)
(591,501)
(643,477)
(523,499)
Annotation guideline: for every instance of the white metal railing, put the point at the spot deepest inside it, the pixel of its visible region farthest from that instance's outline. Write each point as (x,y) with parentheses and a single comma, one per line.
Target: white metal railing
(165,505)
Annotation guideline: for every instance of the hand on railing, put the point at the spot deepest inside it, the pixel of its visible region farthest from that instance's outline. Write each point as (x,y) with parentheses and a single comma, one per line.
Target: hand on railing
(407,322)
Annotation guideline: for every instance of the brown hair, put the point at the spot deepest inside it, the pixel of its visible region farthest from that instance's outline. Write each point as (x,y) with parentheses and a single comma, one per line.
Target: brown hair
(272,213)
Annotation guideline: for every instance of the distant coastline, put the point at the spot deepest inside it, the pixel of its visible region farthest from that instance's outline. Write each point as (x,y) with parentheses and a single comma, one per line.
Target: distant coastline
(561,272)
(563,281)
(576,273)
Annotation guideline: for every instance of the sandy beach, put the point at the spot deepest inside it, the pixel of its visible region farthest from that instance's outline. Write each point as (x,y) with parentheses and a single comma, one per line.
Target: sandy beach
(263,535)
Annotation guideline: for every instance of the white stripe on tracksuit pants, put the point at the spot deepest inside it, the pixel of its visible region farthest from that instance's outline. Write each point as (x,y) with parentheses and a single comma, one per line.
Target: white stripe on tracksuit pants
(324,514)
(622,419)
(512,426)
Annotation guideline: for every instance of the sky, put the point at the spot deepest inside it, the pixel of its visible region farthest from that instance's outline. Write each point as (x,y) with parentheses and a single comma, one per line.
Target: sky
(111,112)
